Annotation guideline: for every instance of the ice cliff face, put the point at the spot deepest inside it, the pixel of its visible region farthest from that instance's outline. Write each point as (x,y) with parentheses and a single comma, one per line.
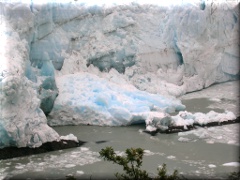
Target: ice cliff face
(185,48)
(22,122)
(160,50)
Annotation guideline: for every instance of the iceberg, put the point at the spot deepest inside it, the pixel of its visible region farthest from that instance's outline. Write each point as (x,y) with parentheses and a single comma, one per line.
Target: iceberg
(235,164)
(69,137)
(184,119)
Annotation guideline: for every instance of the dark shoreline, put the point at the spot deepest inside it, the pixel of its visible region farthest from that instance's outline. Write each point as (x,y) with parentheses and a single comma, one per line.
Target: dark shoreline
(12,152)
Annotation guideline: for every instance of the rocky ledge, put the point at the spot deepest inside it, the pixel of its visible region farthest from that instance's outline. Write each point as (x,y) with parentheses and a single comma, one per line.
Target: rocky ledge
(12,152)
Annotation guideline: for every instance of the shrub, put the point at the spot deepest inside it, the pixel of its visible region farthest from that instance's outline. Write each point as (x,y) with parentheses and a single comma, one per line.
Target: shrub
(131,164)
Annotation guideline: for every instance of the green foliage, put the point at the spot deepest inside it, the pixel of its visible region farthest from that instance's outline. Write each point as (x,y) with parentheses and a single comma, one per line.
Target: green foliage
(234,176)
(162,174)
(70,177)
(131,164)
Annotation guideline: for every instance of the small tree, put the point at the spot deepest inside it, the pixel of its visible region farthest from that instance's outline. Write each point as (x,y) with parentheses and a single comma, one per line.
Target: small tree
(162,174)
(131,165)
(235,175)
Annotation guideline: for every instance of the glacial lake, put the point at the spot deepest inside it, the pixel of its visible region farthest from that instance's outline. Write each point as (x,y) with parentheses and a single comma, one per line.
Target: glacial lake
(197,154)
(194,158)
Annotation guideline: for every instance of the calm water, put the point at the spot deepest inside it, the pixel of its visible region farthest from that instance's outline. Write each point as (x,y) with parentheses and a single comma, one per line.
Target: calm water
(195,157)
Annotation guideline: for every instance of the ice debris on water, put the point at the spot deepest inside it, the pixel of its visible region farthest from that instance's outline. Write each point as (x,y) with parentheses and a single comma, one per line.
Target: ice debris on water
(235,164)
(69,137)
(171,157)
(80,172)
(212,166)
(70,165)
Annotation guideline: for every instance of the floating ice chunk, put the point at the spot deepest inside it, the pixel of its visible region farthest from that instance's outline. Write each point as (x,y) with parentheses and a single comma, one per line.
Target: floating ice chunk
(212,166)
(42,164)
(148,153)
(171,157)
(219,137)
(203,135)
(80,172)
(185,133)
(182,139)
(228,134)
(160,120)
(231,142)
(140,131)
(150,128)
(69,137)
(210,141)
(215,99)
(20,166)
(84,149)
(70,165)
(235,164)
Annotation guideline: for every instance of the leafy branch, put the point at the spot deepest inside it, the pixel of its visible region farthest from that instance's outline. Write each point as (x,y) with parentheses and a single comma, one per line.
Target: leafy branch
(131,164)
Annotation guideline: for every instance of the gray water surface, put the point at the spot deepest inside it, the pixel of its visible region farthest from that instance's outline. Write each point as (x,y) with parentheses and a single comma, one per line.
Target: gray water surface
(191,158)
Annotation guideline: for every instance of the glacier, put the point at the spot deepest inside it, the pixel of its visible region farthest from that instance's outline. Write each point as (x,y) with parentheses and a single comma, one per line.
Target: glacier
(71,62)
(87,99)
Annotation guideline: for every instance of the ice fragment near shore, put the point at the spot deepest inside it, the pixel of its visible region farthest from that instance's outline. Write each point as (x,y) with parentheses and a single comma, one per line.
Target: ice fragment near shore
(186,118)
(69,137)
(235,164)
(164,121)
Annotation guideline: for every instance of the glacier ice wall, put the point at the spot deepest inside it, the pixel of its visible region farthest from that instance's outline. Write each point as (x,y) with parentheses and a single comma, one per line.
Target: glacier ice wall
(161,50)
(184,48)
(22,122)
